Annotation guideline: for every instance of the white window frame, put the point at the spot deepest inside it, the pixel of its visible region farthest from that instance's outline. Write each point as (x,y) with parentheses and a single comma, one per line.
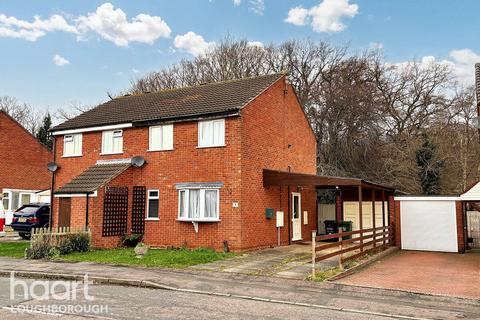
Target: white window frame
(148,204)
(9,198)
(72,137)
(162,147)
(32,197)
(212,144)
(202,217)
(115,135)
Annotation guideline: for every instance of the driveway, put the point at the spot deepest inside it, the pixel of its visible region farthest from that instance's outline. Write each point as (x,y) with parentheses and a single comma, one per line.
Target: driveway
(424,272)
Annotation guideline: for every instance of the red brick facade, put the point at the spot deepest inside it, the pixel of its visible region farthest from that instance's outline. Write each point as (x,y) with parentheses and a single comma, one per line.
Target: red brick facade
(23,159)
(460,226)
(271,132)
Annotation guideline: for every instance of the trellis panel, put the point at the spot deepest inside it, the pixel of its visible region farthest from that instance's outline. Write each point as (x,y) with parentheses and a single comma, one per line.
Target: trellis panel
(115,211)
(138,209)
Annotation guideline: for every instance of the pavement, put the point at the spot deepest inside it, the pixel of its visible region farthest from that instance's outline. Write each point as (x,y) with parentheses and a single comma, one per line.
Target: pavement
(219,287)
(439,273)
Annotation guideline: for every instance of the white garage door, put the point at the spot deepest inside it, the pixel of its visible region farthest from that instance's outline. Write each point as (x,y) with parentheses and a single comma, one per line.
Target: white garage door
(428,225)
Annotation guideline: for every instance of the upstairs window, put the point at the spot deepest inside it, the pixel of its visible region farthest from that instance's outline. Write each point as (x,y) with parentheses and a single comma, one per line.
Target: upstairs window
(72,145)
(153,204)
(211,133)
(112,142)
(161,138)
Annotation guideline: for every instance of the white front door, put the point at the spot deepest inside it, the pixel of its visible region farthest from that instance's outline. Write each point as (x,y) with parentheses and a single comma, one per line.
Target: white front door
(296,217)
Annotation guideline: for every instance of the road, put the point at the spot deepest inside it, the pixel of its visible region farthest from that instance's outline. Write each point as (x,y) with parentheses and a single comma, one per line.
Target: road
(116,302)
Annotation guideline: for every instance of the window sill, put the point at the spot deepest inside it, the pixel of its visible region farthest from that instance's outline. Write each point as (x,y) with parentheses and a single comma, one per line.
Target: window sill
(198,220)
(152,219)
(160,150)
(72,156)
(205,147)
(110,153)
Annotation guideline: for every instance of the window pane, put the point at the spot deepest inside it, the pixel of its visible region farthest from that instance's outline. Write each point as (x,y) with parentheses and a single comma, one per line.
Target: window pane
(25,199)
(118,144)
(155,138)
(194,204)
(206,133)
(15,200)
(5,204)
(77,144)
(153,194)
(219,132)
(211,203)
(167,137)
(153,208)
(182,204)
(107,143)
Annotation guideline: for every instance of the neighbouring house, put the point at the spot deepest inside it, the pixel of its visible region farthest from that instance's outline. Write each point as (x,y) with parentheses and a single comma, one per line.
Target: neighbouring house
(196,166)
(24,177)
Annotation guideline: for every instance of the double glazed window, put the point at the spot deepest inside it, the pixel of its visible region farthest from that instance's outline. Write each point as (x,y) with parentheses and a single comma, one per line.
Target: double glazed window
(6,201)
(153,204)
(211,133)
(72,145)
(161,138)
(112,142)
(198,204)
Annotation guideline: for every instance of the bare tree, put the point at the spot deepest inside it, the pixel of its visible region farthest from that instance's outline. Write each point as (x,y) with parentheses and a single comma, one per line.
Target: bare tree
(21,112)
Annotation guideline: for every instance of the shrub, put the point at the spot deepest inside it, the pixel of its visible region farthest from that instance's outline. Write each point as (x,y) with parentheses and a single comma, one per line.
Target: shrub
(51,246)
(131,240)
(80,242)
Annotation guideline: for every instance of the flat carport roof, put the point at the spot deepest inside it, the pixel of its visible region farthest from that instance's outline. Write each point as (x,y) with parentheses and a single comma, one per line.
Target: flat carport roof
(284,178)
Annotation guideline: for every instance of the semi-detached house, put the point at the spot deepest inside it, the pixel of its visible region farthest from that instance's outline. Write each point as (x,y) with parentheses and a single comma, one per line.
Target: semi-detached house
(186,167)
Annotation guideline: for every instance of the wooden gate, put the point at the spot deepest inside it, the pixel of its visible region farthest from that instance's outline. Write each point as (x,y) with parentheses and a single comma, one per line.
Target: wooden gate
(64,212)
(138,209)
(115,211)
(473,223)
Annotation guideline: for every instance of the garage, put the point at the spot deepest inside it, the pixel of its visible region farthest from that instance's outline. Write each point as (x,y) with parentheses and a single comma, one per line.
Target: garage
(428,223)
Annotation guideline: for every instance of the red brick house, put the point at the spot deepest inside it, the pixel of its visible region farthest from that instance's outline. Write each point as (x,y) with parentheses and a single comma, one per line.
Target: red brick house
(205,151)
(24,166)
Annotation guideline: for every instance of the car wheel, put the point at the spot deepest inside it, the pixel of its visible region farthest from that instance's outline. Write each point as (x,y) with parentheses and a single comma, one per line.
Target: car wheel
(25,236)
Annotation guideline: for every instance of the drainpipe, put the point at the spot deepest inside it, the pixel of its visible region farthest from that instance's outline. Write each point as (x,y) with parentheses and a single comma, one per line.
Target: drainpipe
(289,215)
(86,210)
(52,186)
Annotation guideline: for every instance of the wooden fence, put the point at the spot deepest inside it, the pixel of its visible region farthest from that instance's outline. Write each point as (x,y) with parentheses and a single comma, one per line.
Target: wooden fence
(55,234)
(364,241)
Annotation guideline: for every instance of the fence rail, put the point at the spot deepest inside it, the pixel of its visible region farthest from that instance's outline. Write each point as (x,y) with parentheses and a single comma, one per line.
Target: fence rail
(377,238)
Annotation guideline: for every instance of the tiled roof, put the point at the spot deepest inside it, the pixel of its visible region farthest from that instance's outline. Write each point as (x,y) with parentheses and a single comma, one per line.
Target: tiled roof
(207,99)
(93,178)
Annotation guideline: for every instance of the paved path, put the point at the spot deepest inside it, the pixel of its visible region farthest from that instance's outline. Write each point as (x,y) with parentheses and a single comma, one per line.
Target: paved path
(426,272)
(271,290)
(292,262)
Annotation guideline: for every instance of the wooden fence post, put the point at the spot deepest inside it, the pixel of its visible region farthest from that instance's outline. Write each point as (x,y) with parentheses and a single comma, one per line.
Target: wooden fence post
(340,239)
(314,252)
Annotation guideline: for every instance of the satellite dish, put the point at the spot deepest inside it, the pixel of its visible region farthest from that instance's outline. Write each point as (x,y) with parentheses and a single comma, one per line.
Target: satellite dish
(52,167)
(138,161)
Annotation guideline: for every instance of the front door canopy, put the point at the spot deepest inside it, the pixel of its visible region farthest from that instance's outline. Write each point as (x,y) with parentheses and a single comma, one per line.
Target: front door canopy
(284,178)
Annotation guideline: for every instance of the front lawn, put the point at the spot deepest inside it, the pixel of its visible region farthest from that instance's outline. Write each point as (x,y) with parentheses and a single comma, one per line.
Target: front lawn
(168,258)
(13,249)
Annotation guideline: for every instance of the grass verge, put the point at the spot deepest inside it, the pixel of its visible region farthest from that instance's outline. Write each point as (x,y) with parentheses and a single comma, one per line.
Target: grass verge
(168,258)
(13,249)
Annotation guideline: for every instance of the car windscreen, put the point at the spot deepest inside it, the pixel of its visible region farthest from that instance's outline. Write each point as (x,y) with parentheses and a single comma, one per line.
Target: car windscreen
(27,209)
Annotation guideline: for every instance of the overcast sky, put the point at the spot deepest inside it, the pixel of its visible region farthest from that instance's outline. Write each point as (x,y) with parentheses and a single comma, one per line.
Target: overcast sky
(57,53)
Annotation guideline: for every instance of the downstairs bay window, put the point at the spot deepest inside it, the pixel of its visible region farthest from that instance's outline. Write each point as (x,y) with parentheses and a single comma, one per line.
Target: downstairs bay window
(198,204)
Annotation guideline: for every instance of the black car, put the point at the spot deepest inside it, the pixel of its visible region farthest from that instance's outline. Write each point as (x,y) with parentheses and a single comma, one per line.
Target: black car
(29,216)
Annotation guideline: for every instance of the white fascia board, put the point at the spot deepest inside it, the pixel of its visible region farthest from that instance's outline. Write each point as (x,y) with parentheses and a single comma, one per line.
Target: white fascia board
(427,198)
(92,129)
(75,195)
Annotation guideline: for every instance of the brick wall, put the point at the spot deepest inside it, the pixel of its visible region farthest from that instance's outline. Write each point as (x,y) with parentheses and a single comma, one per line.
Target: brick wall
(394,207)
(23,159)
(275,135)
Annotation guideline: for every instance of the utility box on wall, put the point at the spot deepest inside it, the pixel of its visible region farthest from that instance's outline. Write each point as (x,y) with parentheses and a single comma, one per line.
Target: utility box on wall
(269,213)
(279,219)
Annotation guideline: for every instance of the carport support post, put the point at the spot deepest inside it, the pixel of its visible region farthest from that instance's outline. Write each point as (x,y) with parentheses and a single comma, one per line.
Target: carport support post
(383,216)
(360,216)
(314,252)
(373,219)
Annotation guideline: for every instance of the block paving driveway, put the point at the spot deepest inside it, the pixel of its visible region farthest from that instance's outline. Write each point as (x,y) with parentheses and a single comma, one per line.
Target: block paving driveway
(423,272)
